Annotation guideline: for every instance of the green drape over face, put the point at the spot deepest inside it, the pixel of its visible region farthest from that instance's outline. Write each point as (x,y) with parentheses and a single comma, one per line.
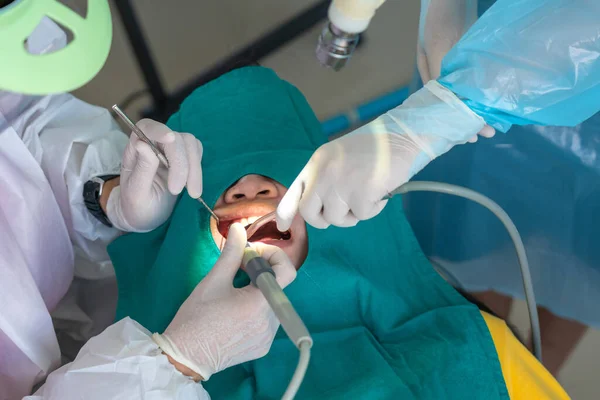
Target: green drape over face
(384,324)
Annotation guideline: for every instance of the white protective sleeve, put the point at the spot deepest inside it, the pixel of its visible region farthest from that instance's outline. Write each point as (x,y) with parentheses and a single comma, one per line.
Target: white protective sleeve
(50,147)
(72,141)
(120,363)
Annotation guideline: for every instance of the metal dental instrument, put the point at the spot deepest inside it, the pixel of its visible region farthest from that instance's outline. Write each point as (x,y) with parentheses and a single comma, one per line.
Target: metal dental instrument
(209,209)
(155,149)
(138,132)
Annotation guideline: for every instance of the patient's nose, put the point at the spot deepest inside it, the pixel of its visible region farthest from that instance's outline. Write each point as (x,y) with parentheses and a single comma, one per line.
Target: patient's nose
(251,187)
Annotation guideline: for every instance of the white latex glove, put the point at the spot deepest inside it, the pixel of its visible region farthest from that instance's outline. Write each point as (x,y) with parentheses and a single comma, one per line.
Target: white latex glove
(148,190)
(346,179)
(441,25)
(219,326)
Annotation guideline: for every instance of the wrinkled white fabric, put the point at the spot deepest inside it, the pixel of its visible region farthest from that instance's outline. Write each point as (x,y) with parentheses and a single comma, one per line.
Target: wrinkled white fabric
(441,25)
(49,147)
(36,268)
(346,179)
(121,363)
(148,190)
(219,326)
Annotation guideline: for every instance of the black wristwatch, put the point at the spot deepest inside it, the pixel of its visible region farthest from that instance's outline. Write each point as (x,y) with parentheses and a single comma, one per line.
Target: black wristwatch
(92,190)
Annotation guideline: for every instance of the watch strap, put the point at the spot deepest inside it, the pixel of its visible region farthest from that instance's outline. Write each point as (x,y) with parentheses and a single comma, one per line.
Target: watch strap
(92,190)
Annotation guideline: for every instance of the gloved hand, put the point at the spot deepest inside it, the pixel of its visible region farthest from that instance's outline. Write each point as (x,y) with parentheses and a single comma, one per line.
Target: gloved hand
(441,25)
(219,326)
(148,190)
(346,179)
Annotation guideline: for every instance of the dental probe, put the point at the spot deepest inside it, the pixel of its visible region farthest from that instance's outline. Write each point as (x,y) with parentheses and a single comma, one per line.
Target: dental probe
(263,277)
(163,159)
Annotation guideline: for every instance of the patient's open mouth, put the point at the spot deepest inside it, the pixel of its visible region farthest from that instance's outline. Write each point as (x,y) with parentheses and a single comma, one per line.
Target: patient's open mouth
(266,232)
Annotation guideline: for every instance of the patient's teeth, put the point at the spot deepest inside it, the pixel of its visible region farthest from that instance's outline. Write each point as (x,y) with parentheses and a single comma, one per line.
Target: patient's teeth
(246,221)
(240,221)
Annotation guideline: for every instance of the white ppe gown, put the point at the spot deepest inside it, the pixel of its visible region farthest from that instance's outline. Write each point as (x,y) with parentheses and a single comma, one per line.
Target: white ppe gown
(49,147)
(55,274)
(123,362)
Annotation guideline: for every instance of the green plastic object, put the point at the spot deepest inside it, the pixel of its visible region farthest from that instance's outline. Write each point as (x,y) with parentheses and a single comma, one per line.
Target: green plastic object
(61,71)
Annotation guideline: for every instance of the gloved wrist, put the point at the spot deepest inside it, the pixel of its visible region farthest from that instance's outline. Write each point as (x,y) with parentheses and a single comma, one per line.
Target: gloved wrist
(117,216)
(179,361)
(429,123)
(183,369)
(109,186)
(114,212)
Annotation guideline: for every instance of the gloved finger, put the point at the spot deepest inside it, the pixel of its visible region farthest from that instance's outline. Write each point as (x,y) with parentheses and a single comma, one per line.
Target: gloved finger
(285,272)
(288,206)
(379,206)
(178,165)
(473,139)
(220,277)
(194,157)
(364,209)
(335,208)
(156,131)
(130,155)
(142,172)
(311,203)
(310,208)
(487,131)
(348,221)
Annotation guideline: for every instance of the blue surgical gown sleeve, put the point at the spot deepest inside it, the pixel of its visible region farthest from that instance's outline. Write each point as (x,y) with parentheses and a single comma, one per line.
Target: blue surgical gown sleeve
(529,62)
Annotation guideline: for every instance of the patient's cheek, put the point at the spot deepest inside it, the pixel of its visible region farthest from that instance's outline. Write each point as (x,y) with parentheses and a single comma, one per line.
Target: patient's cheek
(220,202)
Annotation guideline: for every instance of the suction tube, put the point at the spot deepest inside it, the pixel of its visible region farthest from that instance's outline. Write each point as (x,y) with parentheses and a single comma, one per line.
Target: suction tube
(263,277)
(454,190)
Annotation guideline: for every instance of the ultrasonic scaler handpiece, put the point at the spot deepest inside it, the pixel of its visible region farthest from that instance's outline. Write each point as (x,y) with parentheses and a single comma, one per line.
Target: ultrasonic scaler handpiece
(263,277)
